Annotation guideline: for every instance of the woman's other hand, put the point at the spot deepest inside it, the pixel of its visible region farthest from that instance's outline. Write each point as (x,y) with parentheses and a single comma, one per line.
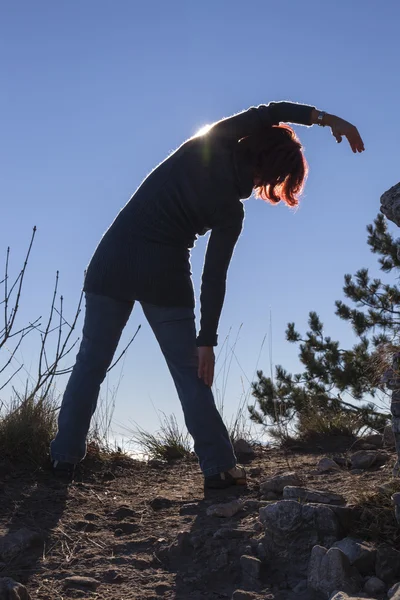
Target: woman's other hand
(341,128)
(206,364)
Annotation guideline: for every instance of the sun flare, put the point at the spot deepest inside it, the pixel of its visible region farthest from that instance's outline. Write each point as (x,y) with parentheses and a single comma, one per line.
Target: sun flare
(203,130)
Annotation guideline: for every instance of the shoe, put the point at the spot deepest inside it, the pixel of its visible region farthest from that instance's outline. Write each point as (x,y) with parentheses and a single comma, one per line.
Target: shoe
(235,476)
(63,470)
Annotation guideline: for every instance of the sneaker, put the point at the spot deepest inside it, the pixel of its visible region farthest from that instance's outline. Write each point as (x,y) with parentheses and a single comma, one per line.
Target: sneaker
(63,470)
(235,476)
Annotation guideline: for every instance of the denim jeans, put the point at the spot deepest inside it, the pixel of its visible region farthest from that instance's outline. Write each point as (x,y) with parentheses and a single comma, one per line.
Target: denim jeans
(175,331)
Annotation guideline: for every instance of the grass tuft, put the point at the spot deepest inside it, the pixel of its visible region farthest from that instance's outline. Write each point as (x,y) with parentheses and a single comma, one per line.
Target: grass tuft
(168,443)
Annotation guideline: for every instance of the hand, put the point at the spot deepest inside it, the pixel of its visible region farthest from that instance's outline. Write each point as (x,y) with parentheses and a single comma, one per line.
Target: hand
(206,364)
(341,128)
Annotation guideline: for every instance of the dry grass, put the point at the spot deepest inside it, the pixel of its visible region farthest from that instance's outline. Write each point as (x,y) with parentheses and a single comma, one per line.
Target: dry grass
(27,425)
(377,521)
(168,443)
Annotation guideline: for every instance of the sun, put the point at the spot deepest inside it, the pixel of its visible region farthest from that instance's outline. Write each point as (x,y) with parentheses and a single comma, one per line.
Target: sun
(203,130)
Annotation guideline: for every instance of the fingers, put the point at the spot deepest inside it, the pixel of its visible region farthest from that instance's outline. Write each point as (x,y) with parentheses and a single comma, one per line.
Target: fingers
(206,371)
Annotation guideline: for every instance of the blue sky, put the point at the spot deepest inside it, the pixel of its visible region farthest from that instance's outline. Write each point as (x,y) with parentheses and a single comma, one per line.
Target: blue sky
(96,93)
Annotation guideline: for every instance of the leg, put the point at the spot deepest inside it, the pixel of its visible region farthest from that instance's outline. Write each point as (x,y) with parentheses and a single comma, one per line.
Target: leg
(175,331)
(105,319)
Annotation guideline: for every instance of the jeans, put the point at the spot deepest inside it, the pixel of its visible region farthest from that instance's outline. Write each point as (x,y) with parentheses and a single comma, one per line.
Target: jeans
(174,328)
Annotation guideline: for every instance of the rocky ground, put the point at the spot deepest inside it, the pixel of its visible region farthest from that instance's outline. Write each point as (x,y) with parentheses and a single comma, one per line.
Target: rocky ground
(131,530)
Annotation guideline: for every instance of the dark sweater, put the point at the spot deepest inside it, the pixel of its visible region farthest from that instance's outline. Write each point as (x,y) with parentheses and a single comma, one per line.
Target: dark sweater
(145,254)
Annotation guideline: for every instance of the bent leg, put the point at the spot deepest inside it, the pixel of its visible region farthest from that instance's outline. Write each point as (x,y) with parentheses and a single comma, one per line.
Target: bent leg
(175,331)
(105,319)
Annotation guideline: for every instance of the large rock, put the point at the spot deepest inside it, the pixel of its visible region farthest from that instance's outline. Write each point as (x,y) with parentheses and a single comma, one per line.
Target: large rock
(250,571)
(243,449)
(390,204)
(12,544)
(292,529)
(12,590)
(327,465)
(361,554)
(227,509)
(374,586)
(363,459)
(330,570)
(387,566)
(277,483)
(322,497)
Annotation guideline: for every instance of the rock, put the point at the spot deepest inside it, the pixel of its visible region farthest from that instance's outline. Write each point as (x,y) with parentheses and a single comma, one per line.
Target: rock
(91,517)
(253,505)
(255,471)
(330,570)
(387,566)
(87,526)
(160,503)
(321,497)
(374,586)
(225,510)
(346,516)
(189,509)
(242,595)
(12,590)
(76,581)
(344,596)
(258,526)
(277,483)
(128,528)
(361,555)
(300,587)
(261,552)
(388,437)
(363,459)
(327,465)
(292,529)
(221,560)
(228,533)
(270,496)
(390,204)
(395,589)
(250,570)
(341,461)
(124,512)
(16,542)
(375,439)
(243,449)
(113,576)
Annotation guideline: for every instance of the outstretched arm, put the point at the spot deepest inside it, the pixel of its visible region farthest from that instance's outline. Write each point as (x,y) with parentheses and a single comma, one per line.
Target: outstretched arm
(339,128)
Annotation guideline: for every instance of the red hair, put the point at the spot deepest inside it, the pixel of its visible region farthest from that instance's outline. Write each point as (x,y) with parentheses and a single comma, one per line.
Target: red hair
(280,167)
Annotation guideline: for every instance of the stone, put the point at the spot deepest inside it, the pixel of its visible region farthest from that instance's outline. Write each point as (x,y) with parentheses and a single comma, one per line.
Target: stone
(128,528)
(91,517)
(12,590)
(395,589)
(16,542)
(226,510)
(300,587)
(124,512)
(292,529)
(159,503)
(243,449)
(255,471)
(189,509)
(387,566)
(228,533)
(390,204)
(375,439)
(321,497)
(344,596)
(277,483)
(251,567)
(361,555)
(243,595)
(374,586)
(330,570)
(327,465)
(76,581)
(363,459)
(388,437)
(270,496)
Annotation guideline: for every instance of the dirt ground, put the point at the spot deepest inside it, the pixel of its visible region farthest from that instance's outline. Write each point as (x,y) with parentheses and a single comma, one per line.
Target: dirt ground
(121,522)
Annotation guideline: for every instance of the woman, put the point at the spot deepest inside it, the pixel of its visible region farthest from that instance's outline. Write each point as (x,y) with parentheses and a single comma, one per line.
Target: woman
(145,256)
